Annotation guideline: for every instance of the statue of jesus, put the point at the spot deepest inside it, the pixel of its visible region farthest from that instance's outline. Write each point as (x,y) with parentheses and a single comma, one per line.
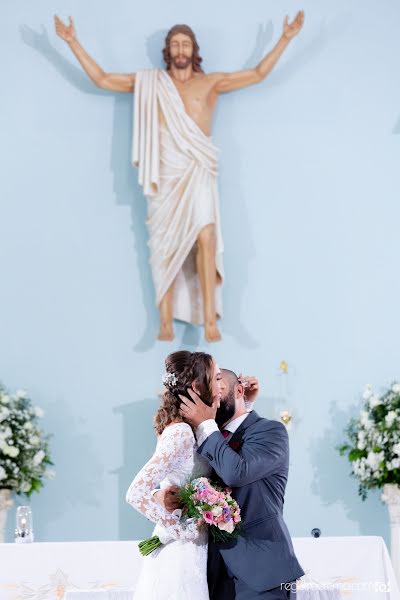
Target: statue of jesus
(177,163)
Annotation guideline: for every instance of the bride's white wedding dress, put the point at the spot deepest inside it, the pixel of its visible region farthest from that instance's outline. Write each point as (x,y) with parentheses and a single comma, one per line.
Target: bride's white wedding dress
(177,570)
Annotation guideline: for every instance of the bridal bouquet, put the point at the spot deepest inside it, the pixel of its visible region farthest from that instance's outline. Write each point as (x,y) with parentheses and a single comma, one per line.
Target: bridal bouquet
(374,440)
(208,505)
(24,448)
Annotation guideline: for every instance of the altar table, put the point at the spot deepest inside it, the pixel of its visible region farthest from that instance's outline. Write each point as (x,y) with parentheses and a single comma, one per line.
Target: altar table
(351,568)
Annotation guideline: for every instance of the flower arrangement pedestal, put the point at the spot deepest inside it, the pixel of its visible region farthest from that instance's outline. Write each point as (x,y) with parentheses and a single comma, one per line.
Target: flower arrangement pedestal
(391,497)
(6,503)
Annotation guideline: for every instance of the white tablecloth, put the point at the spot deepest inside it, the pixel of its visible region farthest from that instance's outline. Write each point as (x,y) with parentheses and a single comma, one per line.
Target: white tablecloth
(129,595)
(301,594)
(100,595)
(356,566)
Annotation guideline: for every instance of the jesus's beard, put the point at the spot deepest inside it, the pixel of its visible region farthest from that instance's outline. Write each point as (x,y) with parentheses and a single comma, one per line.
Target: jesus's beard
(181,62)
(226,409)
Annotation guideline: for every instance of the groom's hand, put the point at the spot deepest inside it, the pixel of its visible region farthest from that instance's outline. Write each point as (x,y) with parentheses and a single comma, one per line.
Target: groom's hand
(196,412)
(168,498)
(251,387)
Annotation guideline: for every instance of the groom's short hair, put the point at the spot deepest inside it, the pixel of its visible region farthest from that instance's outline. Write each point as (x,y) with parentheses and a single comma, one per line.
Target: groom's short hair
(231,377)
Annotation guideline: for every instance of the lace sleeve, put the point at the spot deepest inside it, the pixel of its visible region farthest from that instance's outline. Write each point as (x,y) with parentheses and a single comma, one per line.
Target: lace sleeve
(174,449)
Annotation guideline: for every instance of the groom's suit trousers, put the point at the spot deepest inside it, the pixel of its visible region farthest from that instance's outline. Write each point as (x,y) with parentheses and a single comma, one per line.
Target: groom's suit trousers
(224,586)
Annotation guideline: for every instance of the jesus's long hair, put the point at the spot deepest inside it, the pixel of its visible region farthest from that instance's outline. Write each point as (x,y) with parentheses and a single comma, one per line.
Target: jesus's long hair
(196,58)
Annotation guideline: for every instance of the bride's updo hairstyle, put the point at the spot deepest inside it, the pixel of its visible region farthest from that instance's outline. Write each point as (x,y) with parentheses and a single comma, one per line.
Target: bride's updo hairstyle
(182,368)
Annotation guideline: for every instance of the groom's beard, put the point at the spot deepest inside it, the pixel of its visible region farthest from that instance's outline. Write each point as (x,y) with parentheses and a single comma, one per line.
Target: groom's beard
(226,410)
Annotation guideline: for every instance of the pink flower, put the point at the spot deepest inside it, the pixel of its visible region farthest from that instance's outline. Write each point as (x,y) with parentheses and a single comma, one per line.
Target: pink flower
(208,517)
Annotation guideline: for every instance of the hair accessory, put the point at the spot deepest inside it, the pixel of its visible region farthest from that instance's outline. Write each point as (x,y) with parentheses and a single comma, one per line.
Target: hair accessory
(169,379)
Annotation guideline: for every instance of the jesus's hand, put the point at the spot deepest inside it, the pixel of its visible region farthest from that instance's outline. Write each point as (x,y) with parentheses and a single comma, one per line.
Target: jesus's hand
(67,33)
(292,29)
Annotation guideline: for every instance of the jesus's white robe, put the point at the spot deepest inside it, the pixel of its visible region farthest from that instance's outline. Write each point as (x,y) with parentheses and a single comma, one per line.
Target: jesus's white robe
(177,166)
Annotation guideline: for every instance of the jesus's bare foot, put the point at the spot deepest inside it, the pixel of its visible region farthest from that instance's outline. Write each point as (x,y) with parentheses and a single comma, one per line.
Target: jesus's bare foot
(166,332)
(211,331)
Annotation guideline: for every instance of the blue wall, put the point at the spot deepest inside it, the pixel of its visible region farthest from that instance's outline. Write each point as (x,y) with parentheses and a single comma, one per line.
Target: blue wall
(310,205)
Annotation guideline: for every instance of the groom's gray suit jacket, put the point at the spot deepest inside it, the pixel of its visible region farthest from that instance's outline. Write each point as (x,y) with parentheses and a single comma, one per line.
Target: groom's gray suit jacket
(255,465)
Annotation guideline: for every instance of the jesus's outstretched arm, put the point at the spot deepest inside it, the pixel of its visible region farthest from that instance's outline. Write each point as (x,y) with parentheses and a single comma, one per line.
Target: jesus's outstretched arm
(116,82)
(228,82)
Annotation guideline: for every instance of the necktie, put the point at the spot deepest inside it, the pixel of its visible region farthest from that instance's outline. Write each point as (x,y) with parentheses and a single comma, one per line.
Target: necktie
(226,433)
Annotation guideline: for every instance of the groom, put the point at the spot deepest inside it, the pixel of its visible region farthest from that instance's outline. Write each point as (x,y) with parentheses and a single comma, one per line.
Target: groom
(251,455)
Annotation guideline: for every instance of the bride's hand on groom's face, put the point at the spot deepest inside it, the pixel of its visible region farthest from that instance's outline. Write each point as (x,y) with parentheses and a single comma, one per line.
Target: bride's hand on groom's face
(196,412)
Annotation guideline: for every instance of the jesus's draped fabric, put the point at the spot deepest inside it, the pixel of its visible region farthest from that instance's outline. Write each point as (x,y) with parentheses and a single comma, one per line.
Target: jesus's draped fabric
(177,166)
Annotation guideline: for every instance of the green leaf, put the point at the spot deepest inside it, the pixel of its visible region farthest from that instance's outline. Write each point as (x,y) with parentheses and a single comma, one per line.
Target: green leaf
(355,453)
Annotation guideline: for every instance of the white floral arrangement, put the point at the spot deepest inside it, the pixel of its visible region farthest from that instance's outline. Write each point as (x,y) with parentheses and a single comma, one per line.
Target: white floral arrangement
(24,448)
(374,440)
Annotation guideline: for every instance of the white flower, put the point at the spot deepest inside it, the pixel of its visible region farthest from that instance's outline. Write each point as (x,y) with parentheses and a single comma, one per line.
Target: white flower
(28,425)
(34,440)
(49,473)
(374,459)
(4,413)
(3,473)
(39,456)
(11,451)
(396,463)
(374,401)
(39,412)
(367,391)
(365,420)
(396,388)
(25,487)
(229,526)
(361,444)
(217,510)
(360,469)
(7,432)
(21,394)
(5,398)
(390,418)
(396,449)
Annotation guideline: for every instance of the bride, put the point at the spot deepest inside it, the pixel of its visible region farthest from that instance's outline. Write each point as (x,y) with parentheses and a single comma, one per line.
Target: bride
(178,569)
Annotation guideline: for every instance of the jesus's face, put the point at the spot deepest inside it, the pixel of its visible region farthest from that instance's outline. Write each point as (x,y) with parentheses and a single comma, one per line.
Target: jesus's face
(181,51)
